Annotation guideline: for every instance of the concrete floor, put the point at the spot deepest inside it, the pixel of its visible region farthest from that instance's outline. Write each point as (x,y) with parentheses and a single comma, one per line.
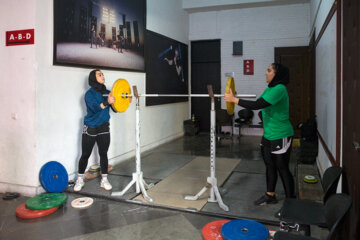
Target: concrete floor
(121,218)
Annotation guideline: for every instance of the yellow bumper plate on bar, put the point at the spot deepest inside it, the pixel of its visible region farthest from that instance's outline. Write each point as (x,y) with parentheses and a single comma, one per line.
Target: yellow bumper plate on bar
(230,84)
(122,92)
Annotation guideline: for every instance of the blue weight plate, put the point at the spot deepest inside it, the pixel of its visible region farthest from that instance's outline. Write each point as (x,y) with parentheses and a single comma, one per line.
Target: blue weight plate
(54,177)
(242,229)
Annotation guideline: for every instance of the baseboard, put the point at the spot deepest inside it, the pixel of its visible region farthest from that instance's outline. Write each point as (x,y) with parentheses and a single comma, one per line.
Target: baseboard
(28,191)
(255,126)
(249,131)
(114,160)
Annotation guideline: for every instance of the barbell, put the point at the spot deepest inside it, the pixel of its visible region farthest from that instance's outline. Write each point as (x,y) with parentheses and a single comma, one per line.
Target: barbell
(121,90)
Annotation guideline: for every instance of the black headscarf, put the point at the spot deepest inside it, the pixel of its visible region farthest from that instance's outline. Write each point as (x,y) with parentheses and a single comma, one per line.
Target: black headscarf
(281,75)
(94,84)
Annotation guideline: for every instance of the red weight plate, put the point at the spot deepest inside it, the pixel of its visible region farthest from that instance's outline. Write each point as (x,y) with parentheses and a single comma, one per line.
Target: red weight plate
(24,213)
(212,230)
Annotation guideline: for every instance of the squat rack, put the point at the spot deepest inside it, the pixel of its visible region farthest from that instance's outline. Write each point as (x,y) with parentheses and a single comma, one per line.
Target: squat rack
(137,177)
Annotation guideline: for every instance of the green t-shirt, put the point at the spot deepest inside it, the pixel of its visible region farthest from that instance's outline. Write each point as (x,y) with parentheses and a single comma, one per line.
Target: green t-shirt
(276,117)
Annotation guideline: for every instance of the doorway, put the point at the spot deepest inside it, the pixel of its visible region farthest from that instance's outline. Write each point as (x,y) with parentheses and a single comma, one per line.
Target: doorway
(205,70)
(301,87)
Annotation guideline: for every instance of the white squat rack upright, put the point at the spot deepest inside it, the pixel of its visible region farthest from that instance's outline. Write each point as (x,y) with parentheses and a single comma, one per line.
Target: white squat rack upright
(137,177)
(211,182)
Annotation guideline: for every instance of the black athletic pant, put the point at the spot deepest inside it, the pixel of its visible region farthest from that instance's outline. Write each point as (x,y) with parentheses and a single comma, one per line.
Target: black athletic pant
(102,138)
(278,163)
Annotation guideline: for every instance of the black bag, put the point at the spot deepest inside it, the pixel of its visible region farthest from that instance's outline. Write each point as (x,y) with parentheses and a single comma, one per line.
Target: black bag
(309,129)
(308,141)
(191,128)
(308,151)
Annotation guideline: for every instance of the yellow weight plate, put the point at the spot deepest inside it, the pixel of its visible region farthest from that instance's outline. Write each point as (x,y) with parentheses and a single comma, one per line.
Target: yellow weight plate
(122,92)
(310,179)
(230,84)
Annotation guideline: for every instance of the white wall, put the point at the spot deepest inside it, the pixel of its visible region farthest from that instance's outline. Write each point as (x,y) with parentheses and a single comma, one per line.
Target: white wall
(326,86)
(49,105)
(167,17)
(325,80)
(261,29)
(17,97)
(324,7)
(314,10)
(322,165)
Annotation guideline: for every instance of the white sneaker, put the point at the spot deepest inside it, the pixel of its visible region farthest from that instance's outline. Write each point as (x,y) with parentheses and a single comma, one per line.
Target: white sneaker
(105,184)
(79,184)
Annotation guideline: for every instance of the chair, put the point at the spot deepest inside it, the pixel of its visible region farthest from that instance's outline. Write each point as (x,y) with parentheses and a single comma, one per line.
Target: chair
(335,209)
(330,181)
(309,212)
(245,117)
(223,119)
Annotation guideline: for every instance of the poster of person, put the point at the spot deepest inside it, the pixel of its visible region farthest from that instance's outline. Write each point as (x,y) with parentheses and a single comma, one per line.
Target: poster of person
(166,68)
(100,33)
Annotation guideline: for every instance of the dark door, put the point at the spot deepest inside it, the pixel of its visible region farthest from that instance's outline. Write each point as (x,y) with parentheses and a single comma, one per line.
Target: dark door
(205,70)
(351,114)
(301,87)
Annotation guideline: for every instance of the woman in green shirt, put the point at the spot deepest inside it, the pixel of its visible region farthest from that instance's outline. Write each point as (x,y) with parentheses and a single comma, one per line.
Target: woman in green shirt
(278,131)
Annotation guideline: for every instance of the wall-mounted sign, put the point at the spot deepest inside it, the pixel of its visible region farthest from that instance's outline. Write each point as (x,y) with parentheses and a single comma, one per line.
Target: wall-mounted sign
(248,67)
(20,37)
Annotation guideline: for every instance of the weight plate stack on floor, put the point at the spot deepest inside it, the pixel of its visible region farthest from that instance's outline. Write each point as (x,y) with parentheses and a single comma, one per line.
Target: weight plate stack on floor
(310,179)
(54,177)
(46,201)
(212,230)
(91,175)
(25,213)
(242,229)
(83,202)
(94,168)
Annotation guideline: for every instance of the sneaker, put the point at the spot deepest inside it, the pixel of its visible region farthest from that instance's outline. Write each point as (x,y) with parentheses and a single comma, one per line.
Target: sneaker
(105,184)
(266,199)
(79,184)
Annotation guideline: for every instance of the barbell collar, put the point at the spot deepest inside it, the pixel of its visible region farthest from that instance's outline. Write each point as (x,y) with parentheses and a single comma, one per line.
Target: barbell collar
(210,91)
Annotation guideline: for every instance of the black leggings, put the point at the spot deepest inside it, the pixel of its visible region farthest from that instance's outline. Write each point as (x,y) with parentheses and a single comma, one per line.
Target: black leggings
(88,142)
(274,163)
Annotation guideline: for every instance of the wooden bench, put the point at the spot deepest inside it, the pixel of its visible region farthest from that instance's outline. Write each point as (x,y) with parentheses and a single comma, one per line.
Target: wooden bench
(309,191)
